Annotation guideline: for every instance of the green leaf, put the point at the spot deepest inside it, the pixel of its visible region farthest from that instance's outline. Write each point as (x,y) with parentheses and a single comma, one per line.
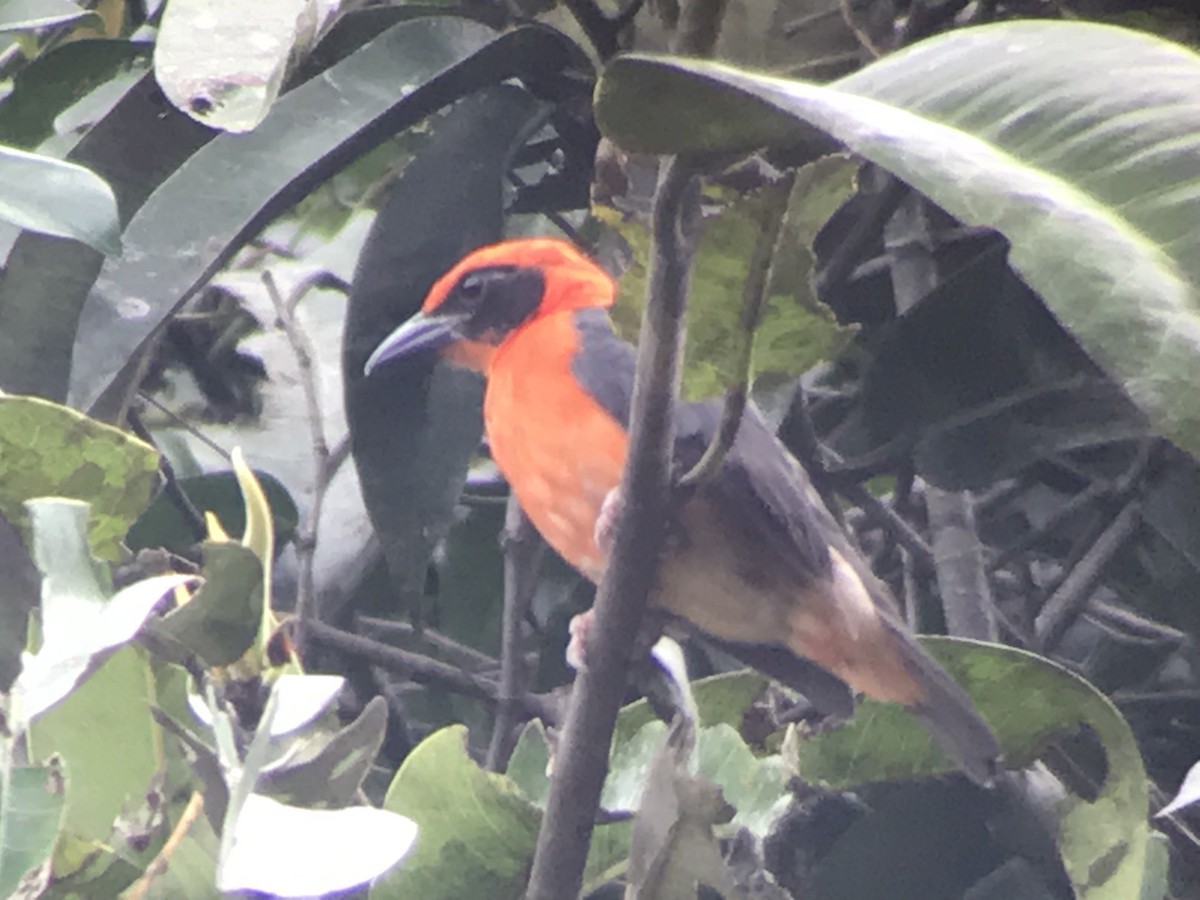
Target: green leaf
(1029,702)
(104,732)
(58,198)
(55,81)
(720,699)
(80,625)
(1050,132)
(756,787)
(31,808)
(221,621)
(475,827)
(223,63)
(287,851)
(29,15)
(328,769)
(47,449)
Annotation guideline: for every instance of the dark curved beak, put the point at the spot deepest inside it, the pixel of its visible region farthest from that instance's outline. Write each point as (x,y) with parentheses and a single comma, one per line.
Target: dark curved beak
(421,332)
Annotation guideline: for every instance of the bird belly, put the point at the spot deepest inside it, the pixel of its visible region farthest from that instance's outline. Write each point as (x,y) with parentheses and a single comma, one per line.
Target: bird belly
(704,578)
(562,454)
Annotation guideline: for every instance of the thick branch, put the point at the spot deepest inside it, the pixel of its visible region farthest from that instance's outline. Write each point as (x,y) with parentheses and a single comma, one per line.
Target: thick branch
(960,563)
(582,760)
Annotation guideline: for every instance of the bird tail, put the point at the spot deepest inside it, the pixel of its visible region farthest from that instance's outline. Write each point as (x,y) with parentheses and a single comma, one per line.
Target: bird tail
(945,709)
(865,642)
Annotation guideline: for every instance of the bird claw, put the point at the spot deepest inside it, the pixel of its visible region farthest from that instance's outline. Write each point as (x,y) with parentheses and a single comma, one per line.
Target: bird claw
(580,630)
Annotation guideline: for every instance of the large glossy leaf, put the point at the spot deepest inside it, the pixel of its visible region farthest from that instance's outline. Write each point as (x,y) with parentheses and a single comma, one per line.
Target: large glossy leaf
(134,148)
(1079,142)
(415,424)
(58,198)
(163,525)
(475,827)
(224,63)
(105,733)
(239,182)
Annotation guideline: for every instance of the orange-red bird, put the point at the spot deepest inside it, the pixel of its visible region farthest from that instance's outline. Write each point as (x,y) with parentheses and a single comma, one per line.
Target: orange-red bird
(757,559)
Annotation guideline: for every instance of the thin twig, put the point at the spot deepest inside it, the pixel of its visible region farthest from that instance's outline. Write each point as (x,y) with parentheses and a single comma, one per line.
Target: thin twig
(582,760)
(754,293)
(423,669)
(523,552)
(602,30)
(800,437)
(880,514)
(1072,595)
(478,661)
(191,812)
(285,309)
(171,486)
(307,527)
(187,426)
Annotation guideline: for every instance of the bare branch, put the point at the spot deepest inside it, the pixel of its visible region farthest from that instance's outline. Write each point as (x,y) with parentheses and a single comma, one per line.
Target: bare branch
(422,669)
(1072,595)
(582,760)
(960,565)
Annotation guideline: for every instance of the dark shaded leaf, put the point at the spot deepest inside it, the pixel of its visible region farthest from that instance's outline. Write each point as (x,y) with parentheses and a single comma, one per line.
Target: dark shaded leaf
(56,80)
(46,280)
(163,525)
(996,441)
(240,182)
(19,590)
(221,621)
(1029,702)
(415,424)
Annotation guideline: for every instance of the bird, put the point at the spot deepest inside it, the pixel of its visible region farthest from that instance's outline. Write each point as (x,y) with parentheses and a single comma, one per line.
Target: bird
(755,560)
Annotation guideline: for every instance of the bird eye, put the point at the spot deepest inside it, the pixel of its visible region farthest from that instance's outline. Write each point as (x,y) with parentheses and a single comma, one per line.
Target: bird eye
(471,286)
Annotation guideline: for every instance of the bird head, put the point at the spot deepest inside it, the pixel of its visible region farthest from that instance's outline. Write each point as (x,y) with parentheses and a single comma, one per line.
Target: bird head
(491,294)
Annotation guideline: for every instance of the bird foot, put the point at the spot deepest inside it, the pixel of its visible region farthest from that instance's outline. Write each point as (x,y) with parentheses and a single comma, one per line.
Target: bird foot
(606,522)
